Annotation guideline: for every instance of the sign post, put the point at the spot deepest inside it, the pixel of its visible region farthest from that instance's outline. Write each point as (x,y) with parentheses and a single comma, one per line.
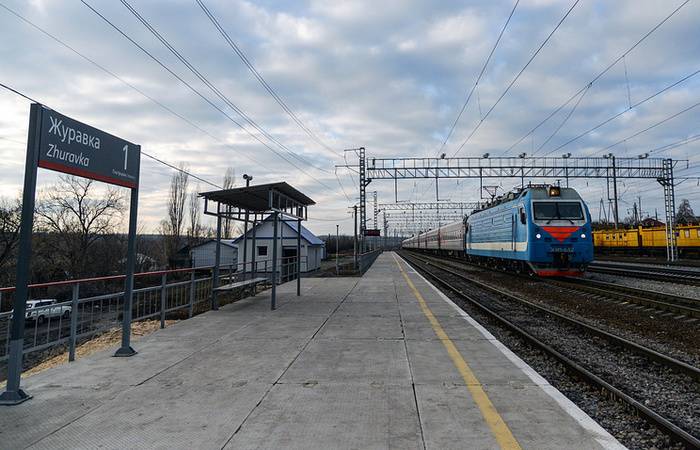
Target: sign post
(59,143)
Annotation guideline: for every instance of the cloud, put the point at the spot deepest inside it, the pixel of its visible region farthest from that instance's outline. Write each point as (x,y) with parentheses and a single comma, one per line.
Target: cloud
(390,76)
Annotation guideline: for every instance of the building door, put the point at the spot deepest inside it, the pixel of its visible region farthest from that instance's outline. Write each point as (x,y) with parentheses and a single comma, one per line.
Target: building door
(289,263)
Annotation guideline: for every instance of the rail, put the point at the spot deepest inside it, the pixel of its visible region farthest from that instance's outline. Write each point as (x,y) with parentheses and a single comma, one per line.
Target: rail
(674,431)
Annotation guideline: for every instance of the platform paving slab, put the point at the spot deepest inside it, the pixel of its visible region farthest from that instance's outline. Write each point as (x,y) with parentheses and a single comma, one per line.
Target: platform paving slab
(353,363)
(332,416)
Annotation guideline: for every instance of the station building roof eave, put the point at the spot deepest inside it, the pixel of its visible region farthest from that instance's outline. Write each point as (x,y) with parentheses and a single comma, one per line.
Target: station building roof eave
(261,198)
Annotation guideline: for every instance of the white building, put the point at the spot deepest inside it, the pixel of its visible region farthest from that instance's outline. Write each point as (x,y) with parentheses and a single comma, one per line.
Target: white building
(204,254)
(312,248)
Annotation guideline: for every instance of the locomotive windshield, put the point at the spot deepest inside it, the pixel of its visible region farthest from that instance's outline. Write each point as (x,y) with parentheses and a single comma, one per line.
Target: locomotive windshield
(558,210)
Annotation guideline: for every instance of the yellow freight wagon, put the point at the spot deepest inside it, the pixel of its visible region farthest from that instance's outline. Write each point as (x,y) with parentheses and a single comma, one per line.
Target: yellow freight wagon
(647,240)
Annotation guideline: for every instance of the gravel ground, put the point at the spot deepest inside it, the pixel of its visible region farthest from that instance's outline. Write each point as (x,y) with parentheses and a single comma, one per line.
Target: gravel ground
(650,329)
(660,286)
(671,394)
(648,263)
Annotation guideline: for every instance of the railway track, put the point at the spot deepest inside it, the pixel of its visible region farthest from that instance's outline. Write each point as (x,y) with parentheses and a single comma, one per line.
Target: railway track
(653,367)
(648,272)
(685,307)
(682,308)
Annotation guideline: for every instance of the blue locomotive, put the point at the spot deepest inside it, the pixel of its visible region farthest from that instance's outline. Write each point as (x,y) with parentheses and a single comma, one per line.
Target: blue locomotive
(545,230)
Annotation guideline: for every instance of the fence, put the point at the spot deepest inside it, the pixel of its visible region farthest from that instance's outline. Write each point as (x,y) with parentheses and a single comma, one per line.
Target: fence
(59,315)
(364,261)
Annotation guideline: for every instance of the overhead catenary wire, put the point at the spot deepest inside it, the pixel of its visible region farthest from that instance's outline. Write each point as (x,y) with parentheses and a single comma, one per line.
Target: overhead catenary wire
(220,94)
(563,122)
(146,154)
(621,113)
(599,75)
(194,90)
(239,52)
(261,79)
(123,81)
(676,144)
(515,79)
(341,186)
(179,78)
(650,127)
(478,78)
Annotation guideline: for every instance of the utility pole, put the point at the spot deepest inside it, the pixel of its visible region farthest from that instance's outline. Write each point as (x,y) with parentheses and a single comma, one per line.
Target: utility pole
(354,246)
(617,218)
(386,226)
(337,239)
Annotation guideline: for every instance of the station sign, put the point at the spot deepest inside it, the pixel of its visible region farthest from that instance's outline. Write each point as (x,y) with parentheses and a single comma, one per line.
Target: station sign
(373,232)
(69,146)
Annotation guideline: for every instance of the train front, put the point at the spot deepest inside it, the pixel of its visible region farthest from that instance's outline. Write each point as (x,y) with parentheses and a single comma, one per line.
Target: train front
(561,242)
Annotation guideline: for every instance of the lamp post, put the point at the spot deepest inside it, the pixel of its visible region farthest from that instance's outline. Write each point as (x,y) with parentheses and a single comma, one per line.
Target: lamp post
(337,238)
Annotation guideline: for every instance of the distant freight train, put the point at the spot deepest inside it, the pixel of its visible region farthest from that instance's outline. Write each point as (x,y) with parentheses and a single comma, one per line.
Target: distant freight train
(647,240)
(545,230)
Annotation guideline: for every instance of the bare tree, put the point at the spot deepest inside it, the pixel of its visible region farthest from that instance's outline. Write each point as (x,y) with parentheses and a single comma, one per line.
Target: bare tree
(194,232)
(10,219)
(229,183)
(172,227)
(77,218)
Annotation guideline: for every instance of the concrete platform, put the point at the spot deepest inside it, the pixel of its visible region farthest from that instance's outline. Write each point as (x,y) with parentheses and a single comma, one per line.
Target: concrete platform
(382,361)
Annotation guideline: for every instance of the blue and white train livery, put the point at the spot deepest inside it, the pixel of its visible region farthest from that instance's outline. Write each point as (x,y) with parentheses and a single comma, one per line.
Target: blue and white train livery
(543,229)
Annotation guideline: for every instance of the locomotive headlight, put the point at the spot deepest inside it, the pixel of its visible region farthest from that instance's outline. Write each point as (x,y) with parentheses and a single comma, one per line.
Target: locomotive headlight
(583,235)
(538,235)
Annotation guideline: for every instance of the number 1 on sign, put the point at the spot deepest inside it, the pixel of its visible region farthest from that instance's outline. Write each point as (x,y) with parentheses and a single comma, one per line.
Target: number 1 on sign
(126,155)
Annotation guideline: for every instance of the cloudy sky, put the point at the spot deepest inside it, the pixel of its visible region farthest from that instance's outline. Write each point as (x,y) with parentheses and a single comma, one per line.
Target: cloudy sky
(390,76)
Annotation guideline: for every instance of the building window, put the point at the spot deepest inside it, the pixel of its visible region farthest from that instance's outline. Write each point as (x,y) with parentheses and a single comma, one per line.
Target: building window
(687,233)
(262,250)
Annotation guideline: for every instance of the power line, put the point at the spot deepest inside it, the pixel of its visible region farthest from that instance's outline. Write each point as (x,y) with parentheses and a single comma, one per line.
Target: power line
(191,88)
(676,144)
(260,78)
(341,186)
(478,125)
(123,81)
(597,77)
(566,119)
(478,78)
(661,122)
(219,94)
(15,91)
(639,103)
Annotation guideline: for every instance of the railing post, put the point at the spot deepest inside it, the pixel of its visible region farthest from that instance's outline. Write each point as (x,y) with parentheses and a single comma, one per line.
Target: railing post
(299,257)
(275,234)
(253,250)
(192,289)
(215,272)
(73,322)
(163,295)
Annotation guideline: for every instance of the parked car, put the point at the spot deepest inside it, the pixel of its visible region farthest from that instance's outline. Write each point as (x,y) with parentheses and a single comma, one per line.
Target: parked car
(42,309)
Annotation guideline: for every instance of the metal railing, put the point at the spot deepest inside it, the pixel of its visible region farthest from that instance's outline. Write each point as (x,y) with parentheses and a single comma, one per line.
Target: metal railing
(364,261)
(68,318)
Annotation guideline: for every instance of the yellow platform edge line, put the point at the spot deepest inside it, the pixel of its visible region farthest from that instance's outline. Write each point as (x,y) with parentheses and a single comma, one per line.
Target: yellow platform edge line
(498,427)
